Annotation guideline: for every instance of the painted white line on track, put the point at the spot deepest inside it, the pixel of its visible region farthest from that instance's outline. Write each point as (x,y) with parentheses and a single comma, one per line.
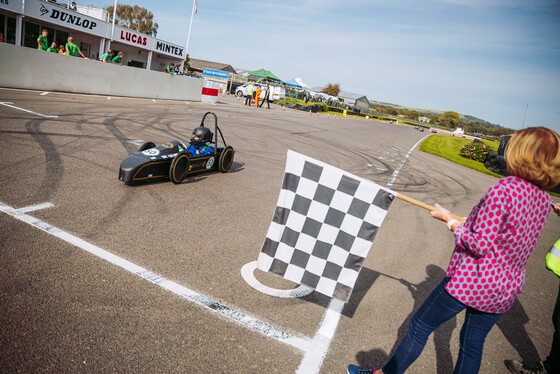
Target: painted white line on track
(45,93)
(154,100)
(137,142)
(249,277)
(33,208)
(314,357)
(251,323)
(403,161)
(186,102)
(26,110)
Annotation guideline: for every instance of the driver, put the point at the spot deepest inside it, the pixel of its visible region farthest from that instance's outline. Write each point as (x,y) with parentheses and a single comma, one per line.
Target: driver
(198,145)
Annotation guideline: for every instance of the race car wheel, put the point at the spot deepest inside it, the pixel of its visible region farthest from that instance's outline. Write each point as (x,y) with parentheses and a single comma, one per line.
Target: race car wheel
(226,159)
(179,168)
(145,146)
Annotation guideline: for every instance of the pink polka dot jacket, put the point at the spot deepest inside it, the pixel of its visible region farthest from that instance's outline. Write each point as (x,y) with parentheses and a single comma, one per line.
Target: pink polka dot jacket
(487,268)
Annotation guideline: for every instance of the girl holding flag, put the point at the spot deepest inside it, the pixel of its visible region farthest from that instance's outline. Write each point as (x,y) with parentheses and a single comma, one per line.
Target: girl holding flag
(492,247)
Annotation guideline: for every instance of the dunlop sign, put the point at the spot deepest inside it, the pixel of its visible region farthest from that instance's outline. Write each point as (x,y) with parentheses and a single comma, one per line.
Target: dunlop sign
(64,17)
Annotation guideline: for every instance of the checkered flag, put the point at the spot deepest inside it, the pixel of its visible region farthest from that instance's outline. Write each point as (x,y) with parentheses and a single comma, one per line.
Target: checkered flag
(323,226)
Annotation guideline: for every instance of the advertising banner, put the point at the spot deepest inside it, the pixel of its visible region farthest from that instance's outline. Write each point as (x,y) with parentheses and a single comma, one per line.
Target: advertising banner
(213,73)
(60,15)
(169,49)
(133,38)
(11,5)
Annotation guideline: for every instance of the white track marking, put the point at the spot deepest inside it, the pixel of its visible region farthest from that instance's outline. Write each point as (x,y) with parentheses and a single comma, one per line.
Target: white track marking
(403,161)
(247,274)
(26,110)
(137,142)
(33,208)
(45,93)
(313,358)
(251,323)
(186,102)
(154,100)
(383,168)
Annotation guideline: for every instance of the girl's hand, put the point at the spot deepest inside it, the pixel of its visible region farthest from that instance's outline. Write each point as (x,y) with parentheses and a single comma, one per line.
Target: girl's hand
(441,213)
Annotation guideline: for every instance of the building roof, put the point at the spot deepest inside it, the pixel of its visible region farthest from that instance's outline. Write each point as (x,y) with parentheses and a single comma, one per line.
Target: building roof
(197,64)
(351,95)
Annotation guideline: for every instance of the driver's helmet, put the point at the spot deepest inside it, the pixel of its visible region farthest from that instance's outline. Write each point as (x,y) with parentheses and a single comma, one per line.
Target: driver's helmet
(201,135)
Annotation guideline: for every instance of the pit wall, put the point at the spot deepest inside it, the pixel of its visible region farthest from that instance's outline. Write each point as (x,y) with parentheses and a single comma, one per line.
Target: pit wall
(28,68)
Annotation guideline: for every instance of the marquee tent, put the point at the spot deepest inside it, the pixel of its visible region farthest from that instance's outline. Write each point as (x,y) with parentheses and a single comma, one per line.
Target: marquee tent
(264,74)
(292,83)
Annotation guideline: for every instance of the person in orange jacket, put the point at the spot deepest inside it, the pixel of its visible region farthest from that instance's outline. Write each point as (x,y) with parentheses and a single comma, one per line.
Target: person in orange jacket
(258,96)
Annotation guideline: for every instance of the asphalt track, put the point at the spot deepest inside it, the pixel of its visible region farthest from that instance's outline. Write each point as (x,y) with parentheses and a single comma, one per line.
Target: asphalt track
(188,309)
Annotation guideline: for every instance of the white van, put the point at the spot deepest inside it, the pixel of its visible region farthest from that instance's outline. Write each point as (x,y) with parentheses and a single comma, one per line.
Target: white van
(276,92)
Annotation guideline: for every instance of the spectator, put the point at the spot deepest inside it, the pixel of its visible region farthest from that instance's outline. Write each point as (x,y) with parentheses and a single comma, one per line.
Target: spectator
(170,69)
(258,96)
(53,48)
(266,96)
(42,42)
(487,269)
(249,95)
(107,56)
(117,59)
(62,50)
(177,69)
(72,49)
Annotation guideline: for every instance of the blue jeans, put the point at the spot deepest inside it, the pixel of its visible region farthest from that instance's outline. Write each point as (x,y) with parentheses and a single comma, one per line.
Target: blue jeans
(438,308)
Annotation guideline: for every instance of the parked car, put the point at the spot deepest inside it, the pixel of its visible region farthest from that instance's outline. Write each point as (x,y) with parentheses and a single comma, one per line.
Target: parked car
(276,92)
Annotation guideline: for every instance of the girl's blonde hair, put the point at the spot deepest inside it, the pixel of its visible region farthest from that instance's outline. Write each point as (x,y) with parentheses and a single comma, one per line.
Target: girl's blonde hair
(534,155)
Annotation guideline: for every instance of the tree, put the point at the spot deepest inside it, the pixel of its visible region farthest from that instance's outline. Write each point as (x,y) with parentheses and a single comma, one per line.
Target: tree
(449,119)
(332,89)
(135,18)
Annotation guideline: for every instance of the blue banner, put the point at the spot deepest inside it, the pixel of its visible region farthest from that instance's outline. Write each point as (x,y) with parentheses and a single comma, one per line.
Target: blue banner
(215,73)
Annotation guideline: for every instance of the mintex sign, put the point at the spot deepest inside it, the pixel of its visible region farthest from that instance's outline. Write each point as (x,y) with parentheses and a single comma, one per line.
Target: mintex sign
(12,5)
(61,16)
(169,49)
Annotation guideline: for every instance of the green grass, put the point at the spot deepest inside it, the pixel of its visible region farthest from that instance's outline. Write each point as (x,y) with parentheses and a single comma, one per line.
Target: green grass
(448,147)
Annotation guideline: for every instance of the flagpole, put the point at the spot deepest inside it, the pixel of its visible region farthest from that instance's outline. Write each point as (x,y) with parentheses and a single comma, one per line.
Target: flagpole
(113,26)
(420,204)
(188,36)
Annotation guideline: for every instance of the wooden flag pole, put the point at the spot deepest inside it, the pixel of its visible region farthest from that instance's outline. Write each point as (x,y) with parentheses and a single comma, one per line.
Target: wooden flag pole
(423,205)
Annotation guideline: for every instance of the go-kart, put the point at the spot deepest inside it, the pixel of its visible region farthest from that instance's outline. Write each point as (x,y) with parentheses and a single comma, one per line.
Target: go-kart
(172,160)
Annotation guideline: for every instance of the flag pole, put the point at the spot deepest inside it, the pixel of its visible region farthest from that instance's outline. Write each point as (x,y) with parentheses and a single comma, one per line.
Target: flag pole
(189,35)
(113,26)
(423,205)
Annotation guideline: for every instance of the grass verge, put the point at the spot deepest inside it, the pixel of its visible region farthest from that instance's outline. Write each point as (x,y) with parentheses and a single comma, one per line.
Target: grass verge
(449,147)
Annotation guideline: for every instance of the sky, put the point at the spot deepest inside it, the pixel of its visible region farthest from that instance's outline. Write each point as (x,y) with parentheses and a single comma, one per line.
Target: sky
(498,60)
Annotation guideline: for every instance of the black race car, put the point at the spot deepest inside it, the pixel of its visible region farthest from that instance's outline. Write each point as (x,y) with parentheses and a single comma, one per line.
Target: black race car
(174,161)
